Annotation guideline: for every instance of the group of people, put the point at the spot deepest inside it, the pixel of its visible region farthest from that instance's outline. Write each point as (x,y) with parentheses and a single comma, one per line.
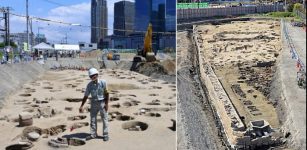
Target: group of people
(15,58)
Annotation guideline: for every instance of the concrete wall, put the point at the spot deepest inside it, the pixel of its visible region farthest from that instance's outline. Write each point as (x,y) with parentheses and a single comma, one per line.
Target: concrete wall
(228,11)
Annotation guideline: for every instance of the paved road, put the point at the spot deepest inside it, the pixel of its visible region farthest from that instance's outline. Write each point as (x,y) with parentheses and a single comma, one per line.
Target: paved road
(298,36)
(295,98)
(196,129)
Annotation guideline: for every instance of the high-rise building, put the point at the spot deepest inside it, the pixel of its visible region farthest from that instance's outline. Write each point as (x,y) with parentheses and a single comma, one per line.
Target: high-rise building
(157,17)
(142,14)
(161,13)
(99,21)
(170,16)
(123,18)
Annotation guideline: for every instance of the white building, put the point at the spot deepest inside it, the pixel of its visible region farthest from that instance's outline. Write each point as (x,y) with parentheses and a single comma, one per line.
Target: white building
(87,46)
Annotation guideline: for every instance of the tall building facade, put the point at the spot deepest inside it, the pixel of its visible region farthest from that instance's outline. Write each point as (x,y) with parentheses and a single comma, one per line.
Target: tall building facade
(124,13)
(170,16)
(99,21)
(157,17)
(142,14)
(161,13)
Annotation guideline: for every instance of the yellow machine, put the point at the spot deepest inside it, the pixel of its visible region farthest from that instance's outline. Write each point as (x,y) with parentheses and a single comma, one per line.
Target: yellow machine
(147,51)
(112,55)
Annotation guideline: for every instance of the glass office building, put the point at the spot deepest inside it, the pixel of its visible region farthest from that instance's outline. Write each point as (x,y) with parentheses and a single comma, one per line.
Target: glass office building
(157,17)
(161,13)
(170,16)
(142,14)
(123,18)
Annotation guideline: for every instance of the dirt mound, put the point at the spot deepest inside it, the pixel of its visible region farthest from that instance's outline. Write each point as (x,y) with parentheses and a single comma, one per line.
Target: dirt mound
(91,54)
(170,66)
(166,67)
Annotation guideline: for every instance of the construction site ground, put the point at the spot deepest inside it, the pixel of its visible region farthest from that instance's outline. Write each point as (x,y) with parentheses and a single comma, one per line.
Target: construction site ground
(54,96)
(233,50)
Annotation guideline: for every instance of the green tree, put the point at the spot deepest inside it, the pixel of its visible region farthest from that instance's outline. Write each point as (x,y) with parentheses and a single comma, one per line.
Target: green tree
(297,6)
(2,45)
(13,44)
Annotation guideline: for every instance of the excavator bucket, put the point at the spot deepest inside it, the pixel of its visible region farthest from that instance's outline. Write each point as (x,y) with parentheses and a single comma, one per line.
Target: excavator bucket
(150,57)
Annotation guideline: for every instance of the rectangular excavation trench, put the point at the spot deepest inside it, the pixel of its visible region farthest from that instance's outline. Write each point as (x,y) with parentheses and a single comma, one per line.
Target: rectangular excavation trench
(231,89)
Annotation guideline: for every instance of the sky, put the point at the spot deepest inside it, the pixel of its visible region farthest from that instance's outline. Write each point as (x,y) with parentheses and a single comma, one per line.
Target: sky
(70,11)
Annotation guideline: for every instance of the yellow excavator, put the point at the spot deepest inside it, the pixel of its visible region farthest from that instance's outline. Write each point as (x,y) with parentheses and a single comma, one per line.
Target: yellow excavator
(147,51)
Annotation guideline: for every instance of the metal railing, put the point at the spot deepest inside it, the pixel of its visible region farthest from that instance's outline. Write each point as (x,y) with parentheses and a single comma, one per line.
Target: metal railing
(301,15)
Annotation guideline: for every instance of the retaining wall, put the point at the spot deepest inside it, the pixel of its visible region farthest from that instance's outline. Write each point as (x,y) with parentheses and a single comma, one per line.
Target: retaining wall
(230,120)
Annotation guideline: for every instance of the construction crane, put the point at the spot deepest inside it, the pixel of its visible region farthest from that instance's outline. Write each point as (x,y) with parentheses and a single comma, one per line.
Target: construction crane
(147,51)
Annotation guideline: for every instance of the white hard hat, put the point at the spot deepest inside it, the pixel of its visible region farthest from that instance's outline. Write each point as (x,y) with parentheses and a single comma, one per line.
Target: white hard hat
(92,71)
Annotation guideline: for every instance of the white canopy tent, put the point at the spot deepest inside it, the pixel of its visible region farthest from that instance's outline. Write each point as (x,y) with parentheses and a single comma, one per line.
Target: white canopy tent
(42,47)
(66,47)
(65,50)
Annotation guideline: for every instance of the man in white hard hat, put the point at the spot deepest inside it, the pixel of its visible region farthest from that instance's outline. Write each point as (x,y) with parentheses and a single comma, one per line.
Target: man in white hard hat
(99,102)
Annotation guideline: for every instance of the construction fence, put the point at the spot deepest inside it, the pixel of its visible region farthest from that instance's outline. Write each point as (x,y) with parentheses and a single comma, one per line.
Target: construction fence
(227,11)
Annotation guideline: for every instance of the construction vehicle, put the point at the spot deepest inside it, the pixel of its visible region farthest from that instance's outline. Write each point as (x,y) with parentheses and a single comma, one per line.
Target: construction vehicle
(147,51)
(113,55)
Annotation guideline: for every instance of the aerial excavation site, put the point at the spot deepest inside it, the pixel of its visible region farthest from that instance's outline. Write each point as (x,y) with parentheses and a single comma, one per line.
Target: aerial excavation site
(245,101)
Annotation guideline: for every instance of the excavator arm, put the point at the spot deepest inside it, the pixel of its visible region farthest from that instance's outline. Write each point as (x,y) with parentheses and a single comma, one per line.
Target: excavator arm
(147,51)
(148,40)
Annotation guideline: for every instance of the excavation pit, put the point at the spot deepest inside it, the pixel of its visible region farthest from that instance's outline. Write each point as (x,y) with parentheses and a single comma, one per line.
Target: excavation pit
(74,100)
(129,104)
(153,103)
(153,115)
(34,105)
(114,114)
(76,142)
(114,99)
(156,87)
(170,104)
(115,105)
(20,146)
(25,95)
(135,126)
(48,87)
(153,94)
(124,118)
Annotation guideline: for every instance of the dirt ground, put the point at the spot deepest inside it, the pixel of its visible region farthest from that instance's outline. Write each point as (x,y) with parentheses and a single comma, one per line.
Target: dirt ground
(47,99)
(196,125)
(244,56)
